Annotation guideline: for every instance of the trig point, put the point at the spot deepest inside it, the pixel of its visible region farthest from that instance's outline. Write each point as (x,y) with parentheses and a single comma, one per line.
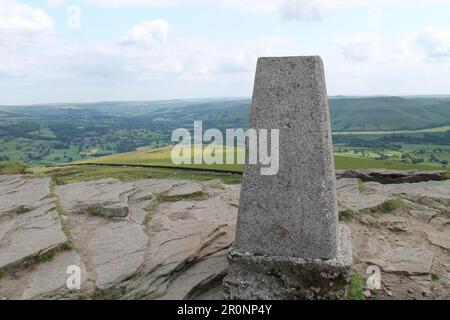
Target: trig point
(289,244)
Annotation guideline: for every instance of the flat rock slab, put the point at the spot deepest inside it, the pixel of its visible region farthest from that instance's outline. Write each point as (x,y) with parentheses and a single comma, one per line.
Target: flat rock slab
(27,235)
(109,196)
(431,189)
(350,197)
(364,201)
(198,278)
(44,280)
(185,189)
(187,247)
(114,250)
(440,238)
(49,280)
(347,186)
(149,188)
(113,198)
(23,193)
(404,260)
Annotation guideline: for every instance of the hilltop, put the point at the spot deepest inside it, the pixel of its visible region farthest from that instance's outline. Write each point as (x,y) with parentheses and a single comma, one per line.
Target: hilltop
(159,235)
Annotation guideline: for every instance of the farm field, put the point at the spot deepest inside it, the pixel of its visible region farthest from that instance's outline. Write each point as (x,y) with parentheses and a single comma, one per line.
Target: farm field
(162,157)
(430,130)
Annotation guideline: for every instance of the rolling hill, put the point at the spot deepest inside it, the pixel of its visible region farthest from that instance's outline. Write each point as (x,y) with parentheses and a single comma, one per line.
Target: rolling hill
(162,157)
(388,113)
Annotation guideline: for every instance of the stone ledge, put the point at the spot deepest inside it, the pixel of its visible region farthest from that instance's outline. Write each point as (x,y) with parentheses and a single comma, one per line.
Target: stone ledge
(385,176)
(287,278)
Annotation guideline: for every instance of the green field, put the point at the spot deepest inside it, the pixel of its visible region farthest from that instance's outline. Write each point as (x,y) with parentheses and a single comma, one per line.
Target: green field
(162,157)
(431,130)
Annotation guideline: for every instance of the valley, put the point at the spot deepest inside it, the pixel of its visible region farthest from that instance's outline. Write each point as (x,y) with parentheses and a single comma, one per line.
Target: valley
(372,132)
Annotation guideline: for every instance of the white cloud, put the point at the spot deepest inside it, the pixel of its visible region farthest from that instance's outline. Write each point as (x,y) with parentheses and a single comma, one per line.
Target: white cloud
(147,33)
(149,57)
(435,42)
(21,24)
(120,3)
(145,54)
(362,46)
(54,3)
(303,10)
(429,44)
(23,30)
(307,10)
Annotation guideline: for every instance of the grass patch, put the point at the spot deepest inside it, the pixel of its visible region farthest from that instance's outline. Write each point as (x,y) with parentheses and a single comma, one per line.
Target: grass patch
(355,290)
(389,206)
(150,212)
(162,157)
(108,294)
(363,189)
(94,211)
(49,255)
(73,174)
(22,209)
(13,167)
(2,274)
(347,214)
(60,210)
(65,229)
(375,292)
(124,172)
(46,256)
(66,246)
(435,277)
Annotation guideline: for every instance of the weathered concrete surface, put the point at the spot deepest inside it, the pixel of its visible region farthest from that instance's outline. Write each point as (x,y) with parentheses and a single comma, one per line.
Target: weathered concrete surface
(288,244)
(292,213)
(263,277)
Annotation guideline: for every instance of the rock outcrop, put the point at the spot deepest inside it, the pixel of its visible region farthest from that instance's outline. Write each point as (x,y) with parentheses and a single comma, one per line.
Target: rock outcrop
(167,239)
(392,176)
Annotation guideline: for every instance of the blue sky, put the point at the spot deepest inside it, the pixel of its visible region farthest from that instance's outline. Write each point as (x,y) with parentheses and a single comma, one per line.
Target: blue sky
(97,50)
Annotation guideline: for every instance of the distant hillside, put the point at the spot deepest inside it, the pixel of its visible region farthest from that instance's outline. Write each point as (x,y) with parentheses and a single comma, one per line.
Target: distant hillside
(61,133)
(388,113)
(347,114)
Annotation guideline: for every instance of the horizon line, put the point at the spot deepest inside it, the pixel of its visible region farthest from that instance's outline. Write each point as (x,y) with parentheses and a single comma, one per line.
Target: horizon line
(218,98)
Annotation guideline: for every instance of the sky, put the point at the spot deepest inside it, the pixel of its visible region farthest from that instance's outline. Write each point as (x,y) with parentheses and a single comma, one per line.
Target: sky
(107,50)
